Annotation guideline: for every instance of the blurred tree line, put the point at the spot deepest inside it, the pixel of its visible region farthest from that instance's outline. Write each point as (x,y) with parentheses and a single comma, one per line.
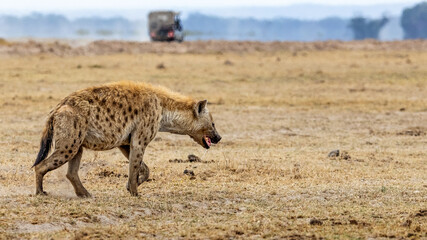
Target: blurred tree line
(413,22)
(202,27)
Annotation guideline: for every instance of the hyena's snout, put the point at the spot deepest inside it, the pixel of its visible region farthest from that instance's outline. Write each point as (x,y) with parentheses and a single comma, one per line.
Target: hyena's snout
(216,138)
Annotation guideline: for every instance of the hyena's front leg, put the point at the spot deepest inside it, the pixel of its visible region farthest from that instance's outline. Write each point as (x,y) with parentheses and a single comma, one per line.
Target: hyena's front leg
(135,160)
(144,171)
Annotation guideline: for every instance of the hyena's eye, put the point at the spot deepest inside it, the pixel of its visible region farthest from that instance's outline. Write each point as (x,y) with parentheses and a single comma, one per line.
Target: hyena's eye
(213,125)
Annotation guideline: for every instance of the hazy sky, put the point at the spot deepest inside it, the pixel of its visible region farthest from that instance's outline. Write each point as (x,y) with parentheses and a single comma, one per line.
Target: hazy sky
(48,5)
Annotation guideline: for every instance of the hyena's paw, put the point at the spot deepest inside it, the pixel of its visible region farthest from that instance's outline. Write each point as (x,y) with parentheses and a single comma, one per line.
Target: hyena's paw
(41,193)
(83,194)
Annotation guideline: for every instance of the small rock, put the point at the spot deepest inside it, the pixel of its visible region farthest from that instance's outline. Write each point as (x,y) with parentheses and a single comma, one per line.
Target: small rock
(334,153)
(188,172)
(315,222)
(160,66)
(228,63)
(345,156)
(193,158)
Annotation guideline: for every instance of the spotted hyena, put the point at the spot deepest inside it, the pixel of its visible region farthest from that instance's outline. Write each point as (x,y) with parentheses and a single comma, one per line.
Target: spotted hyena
(121,115)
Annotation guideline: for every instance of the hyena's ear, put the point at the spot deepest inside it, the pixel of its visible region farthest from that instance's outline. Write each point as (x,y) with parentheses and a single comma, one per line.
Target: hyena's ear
(200,107)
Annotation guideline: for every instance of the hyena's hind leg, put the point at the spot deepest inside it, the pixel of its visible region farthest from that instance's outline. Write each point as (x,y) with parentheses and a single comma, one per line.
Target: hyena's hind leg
(144,171)
(68,134)
(73,176)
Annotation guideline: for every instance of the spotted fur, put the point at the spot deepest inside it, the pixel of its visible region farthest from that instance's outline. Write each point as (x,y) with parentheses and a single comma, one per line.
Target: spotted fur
(122,115)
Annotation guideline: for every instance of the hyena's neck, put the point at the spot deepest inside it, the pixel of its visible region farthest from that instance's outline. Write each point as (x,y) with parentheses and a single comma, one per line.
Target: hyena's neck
(176,112)
(170,122)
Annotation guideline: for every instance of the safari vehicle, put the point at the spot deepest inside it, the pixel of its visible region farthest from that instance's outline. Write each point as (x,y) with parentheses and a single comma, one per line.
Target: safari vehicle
(165,26)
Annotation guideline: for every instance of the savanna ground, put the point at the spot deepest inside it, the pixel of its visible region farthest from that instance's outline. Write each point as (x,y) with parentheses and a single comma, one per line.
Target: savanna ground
(279,112)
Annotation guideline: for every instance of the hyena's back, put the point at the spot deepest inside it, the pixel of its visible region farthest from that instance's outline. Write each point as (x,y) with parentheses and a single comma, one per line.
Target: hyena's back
(105,116)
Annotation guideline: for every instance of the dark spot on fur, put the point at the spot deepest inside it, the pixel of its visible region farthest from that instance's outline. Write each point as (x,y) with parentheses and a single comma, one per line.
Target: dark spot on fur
(98,109)
(120,105)
(139,142)
(70,151)
(55,164)
(66,156)
(131,116)
(94,145)
(126,118)
(106,119)
(56,160)
(130,109)
(108,110)
(96,90)
(71,102)
(124,125)
(111,124)
(75,141)
(138,155)
(75,124)
(118,130)
(135,111)
(90,100)
(103,101)
(87,121)
(66,146)
(112,117)
(72,145)
(152,128)
(80,134)
(124,112)
(62,152)
(97,116)
(114,103)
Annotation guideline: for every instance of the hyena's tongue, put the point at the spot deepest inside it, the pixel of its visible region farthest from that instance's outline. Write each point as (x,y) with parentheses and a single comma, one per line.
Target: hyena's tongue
(208,141)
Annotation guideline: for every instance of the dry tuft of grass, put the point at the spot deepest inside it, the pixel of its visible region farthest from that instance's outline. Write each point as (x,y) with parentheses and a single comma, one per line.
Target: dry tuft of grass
(279,112)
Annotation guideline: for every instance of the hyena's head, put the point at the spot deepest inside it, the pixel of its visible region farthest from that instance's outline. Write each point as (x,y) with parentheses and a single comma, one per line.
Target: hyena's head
(203,129)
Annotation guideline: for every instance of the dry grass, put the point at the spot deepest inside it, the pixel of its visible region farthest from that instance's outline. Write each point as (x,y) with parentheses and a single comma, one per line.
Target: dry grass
(280,114)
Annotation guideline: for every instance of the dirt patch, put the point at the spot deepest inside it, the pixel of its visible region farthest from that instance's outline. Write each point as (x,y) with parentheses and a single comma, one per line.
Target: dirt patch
(107,173)
(413,131)
(421,213)
(316,222)
(191,158)
(341,155)
(126,47)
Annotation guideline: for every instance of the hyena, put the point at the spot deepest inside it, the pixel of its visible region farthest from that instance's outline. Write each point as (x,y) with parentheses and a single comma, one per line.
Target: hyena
(122,115)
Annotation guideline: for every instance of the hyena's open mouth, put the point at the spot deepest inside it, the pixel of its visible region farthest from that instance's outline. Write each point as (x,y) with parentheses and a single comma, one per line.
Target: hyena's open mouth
(207,142)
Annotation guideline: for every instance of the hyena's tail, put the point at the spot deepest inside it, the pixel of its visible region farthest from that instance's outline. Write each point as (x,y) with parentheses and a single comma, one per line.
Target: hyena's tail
(46,141)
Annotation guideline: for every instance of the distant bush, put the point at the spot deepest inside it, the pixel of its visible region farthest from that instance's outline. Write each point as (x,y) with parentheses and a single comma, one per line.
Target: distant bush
(3,41)
(104,32)
(82,32)
(364,28)
(414,21)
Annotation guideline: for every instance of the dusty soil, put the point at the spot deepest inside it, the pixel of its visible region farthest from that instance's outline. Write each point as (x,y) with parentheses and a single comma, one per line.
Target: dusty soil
(281,108)
(71,48)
